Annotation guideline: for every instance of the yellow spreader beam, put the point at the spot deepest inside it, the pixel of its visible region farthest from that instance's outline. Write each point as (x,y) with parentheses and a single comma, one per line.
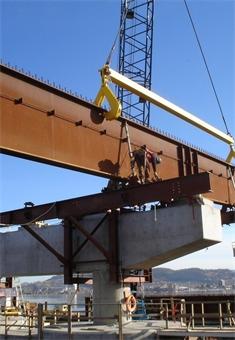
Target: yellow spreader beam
(110,75)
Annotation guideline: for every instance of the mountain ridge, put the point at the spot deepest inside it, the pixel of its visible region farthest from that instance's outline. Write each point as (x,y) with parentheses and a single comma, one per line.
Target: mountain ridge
(192,275)
(160,275)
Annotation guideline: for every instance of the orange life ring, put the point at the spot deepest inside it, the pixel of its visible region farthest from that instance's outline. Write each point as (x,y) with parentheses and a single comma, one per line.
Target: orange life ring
(175,310)
(131,303)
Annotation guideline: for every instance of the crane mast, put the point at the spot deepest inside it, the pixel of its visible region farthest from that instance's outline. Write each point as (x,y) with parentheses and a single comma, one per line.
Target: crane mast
(135,55)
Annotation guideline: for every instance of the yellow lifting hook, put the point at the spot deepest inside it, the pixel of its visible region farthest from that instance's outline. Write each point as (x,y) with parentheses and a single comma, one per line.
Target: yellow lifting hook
(107,74)
(106,93)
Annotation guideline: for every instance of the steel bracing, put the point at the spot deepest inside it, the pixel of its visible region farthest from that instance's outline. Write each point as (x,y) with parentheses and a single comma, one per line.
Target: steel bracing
(135,55)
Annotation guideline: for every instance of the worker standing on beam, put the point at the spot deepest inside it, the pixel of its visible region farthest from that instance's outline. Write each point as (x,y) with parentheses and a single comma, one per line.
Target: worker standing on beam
(143,157)
(139,159)
(152,159)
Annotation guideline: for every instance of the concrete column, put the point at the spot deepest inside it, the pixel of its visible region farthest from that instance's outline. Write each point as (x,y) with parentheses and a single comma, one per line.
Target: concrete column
(106,296)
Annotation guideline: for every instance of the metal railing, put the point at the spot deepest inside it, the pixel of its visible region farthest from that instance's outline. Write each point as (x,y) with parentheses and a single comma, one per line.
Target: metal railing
(23,322)
(196,313)
(168,313)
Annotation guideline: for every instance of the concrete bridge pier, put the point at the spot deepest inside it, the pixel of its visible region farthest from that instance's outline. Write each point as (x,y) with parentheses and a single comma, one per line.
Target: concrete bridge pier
(144,240)
(107,297)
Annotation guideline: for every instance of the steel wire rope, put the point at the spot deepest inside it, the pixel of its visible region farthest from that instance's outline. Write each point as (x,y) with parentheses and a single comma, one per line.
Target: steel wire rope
(207,67)
(39,217)
(108,60)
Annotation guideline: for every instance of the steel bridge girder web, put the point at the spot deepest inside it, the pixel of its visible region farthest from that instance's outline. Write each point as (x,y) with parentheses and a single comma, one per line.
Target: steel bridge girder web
(47,124)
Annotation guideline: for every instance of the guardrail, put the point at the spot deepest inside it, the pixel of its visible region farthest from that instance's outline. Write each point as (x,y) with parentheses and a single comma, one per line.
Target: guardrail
(196,313)
(20,322)
(169,313)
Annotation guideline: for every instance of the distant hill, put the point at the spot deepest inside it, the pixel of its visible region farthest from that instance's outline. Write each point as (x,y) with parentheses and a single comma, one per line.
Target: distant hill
(54,285)
(193,275)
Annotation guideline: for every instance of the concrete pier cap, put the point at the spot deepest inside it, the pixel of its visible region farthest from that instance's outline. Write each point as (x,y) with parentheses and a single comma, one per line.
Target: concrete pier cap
(145,239)
(169,233)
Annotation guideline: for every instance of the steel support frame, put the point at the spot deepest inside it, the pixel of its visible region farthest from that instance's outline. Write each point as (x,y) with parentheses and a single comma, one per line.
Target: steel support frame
(167,191)
(72,210)
(92,233)
(111,255)
(136,275)
(68,259)
(91,238)
(68,252)
(196,183)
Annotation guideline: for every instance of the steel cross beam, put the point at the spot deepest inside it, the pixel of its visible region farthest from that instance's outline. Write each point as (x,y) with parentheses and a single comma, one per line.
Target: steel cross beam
(43,123)
(172,189)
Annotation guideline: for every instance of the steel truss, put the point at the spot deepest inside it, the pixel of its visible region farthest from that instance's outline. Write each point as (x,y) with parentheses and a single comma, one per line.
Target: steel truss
(135,55)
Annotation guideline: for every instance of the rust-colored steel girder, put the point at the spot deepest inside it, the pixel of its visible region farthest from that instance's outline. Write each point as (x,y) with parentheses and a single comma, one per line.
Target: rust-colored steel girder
(160,191)
(228,217)
(45,124)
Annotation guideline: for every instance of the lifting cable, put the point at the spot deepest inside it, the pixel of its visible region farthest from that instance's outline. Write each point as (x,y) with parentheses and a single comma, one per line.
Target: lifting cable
(207,68)
(38,218)
(117,35)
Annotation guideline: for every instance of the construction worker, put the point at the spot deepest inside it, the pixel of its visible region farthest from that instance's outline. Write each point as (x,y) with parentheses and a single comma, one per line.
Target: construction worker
(143,157)
(153,159)
(139,159)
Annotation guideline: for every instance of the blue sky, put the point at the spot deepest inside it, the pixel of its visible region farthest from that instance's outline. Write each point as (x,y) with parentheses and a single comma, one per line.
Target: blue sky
(68,41)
